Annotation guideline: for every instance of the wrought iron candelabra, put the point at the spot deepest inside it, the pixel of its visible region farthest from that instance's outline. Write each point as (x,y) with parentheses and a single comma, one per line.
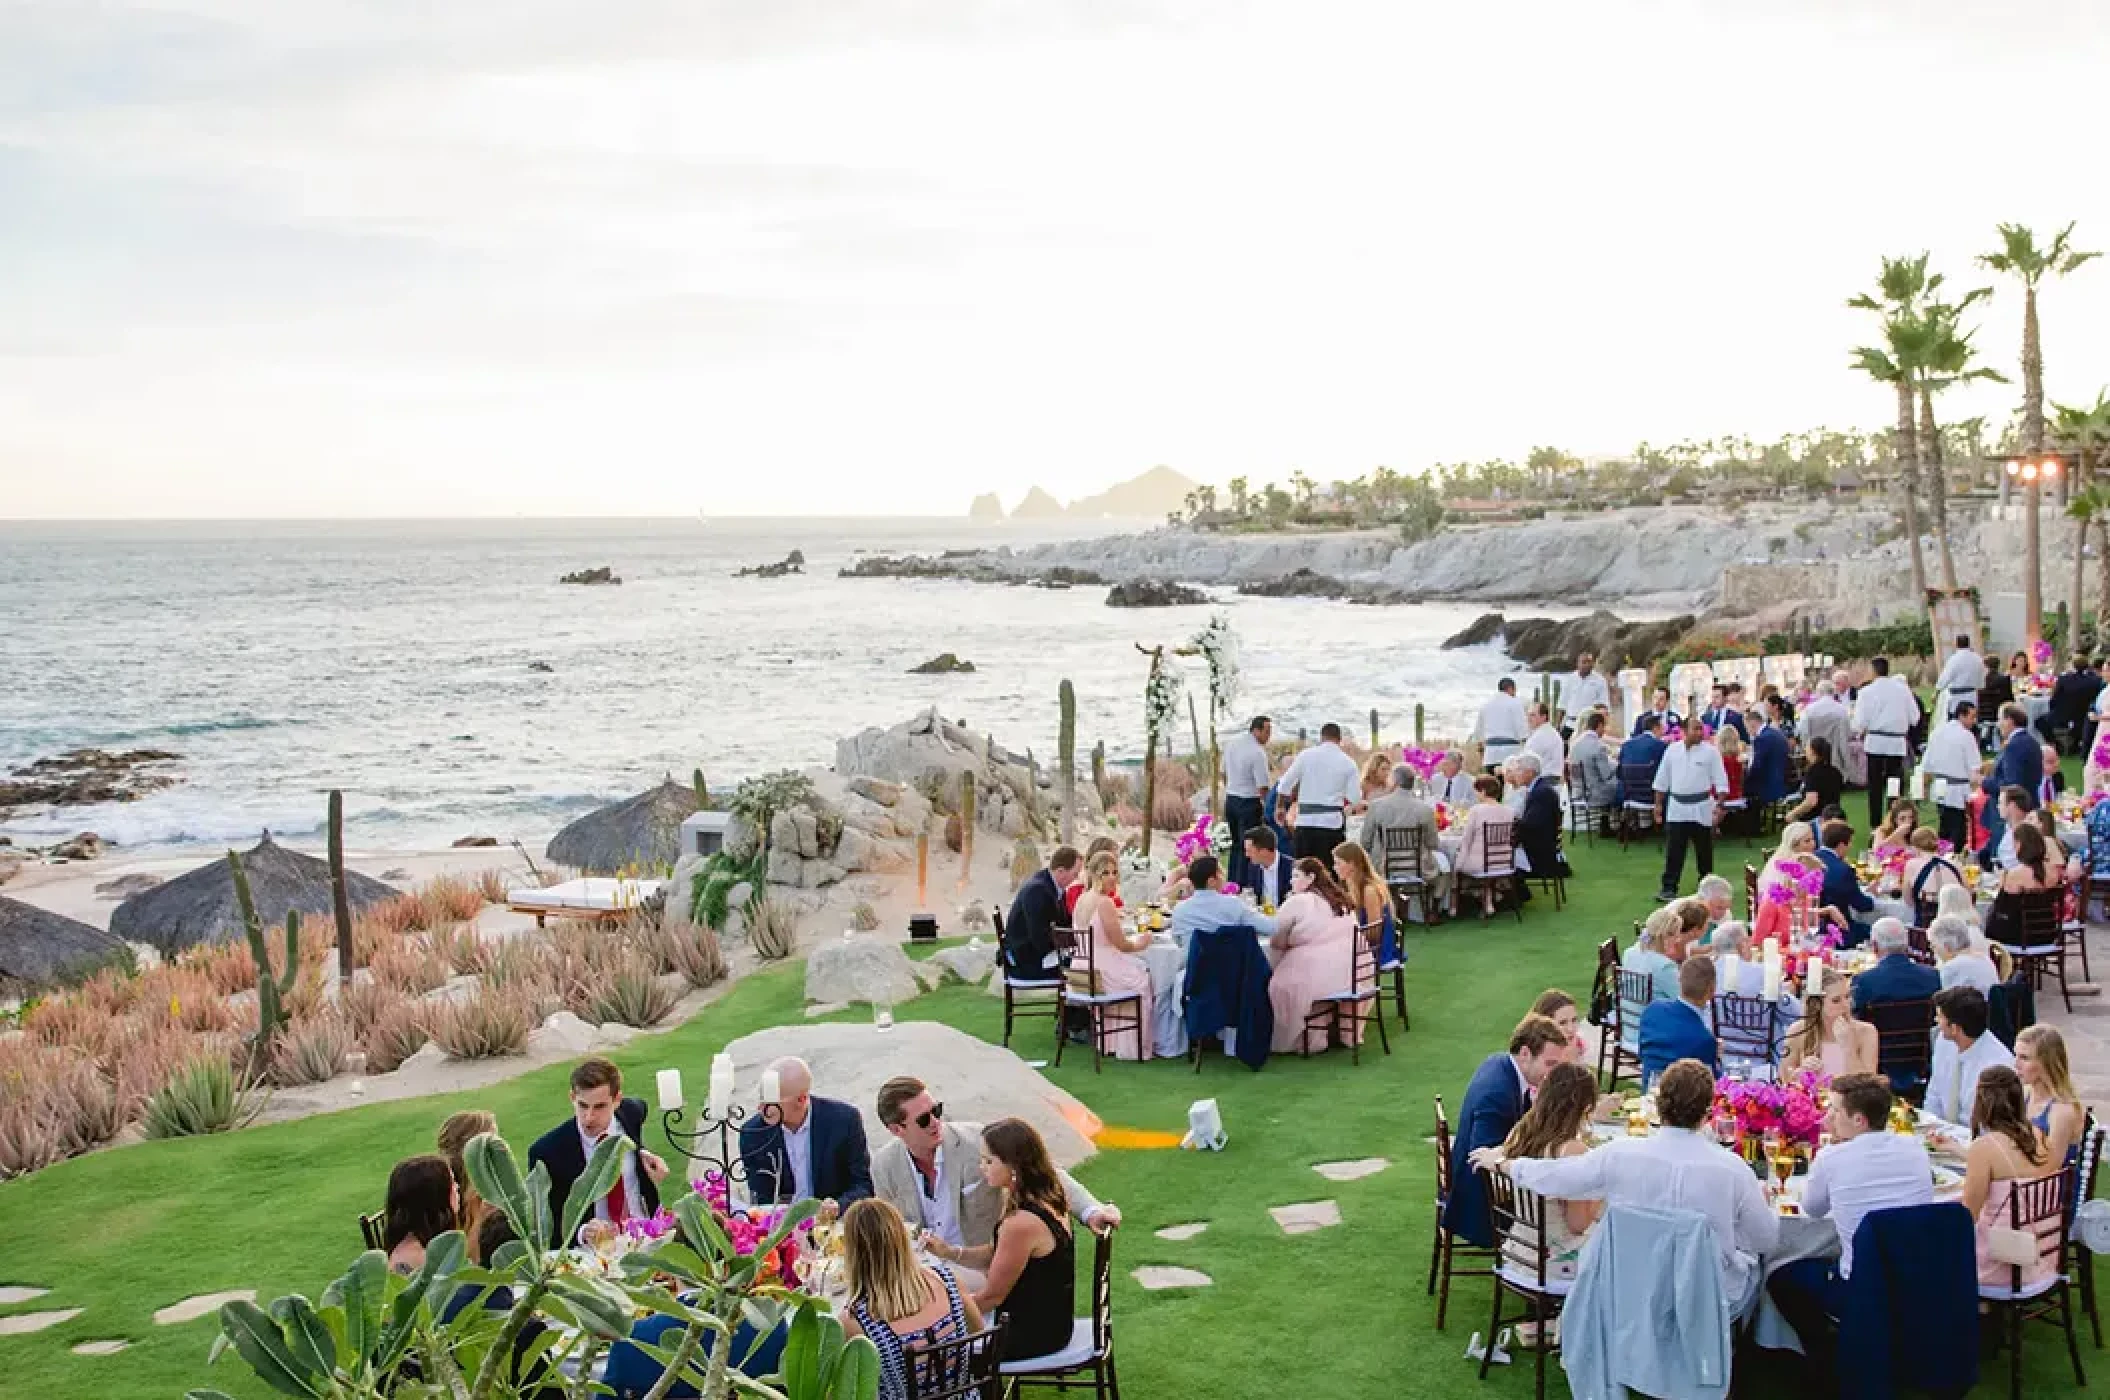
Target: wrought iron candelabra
(712,1146)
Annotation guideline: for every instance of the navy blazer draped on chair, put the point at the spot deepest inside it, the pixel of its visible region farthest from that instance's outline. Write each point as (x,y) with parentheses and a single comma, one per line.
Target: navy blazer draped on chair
(1909,1317)
(1226,989)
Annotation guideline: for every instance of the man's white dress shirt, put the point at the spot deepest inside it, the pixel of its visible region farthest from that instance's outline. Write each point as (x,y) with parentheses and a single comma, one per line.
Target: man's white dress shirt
(1885,712)
(1877,1170)
(1545,741)
(1456,791)
(1971,969)
(938,1215)
(1501,727)
(1952,760)
(1689,776)
(798,1150)
(1580,692)
(1323,780)
(633,1197)
(1245,767)
(1952,1086)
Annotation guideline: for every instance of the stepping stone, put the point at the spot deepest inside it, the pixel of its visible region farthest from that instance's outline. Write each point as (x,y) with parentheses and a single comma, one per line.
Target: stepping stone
(11,1294)
(1305,1218)
(1351,1171)
(105,1348)
(20,1323)
(1179,1234)
(202,1305)
(1156,1276)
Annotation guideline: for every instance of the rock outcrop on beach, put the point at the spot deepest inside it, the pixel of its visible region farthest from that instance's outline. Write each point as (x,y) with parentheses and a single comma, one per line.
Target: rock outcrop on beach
(86,846)
(200,907)
(641,832)
(42,949)
(792,563)
(1552,645)
(83,777)
(1154,593)
(1304,583)
(986,510)
(928,754)
(1037,505)
(943,664)
(590,577)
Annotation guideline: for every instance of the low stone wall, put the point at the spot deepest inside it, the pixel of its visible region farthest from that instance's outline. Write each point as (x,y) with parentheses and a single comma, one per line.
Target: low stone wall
(1750,588)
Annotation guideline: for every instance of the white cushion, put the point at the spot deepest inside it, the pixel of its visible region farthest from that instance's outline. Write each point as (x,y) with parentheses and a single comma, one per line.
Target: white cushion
(1077,1353)
(1393,966)
(1032,984)
(1528,1280)
(1993,1293)
(1633,806)
(1101,998)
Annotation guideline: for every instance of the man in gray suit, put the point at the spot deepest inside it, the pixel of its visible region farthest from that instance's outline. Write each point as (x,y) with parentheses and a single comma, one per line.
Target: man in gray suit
(931,1171)
(1401,808)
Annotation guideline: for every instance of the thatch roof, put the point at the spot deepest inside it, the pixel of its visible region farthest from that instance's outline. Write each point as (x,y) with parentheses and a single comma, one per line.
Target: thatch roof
(200,907)
(644,831)
(40,949)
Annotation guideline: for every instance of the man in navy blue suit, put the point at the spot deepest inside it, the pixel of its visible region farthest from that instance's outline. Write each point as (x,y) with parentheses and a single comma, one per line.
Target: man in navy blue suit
(1895,977)
(1267,867)
(1494,1101)
(1720,712)
(815,1151)
(1842,887)
(1766,777)
(1644,750)
(599,1112)
(1683,1029)
(2021,764)
(1029,944)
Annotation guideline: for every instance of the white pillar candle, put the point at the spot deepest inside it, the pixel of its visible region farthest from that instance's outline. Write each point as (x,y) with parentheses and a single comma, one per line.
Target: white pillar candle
(669,1090)
(1772,979)
(1816,982)
(1893,787)
(721,1085)
(769,1086)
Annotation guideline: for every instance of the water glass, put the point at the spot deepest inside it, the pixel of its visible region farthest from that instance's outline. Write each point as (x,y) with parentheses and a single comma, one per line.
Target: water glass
(883,1015)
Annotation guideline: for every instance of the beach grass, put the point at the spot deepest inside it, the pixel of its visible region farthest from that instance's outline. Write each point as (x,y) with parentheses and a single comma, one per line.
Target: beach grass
(1339,1312)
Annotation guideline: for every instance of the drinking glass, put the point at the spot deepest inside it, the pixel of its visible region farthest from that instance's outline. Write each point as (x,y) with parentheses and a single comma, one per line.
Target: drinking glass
(883,1015)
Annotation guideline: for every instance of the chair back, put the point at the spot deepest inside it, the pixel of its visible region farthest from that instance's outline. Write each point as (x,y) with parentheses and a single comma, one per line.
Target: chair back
(1443,1155)
(1401,852)
(1918,947)
(964,1368)
(2041,1208)
(1604,984)
(2039,916)
(1520,1226)
(1637,783)
(1102,1292)
(1904,1040)
(370,1230)
(1636,991)
(1747,1028)
(1498,843)
(1362,958)
(1751,893)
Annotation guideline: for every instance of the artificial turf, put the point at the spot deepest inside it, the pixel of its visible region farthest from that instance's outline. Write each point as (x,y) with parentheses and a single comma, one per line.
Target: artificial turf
(1338,1312)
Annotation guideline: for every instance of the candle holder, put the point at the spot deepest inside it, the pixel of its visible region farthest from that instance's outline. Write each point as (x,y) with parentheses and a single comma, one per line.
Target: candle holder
(714,1130)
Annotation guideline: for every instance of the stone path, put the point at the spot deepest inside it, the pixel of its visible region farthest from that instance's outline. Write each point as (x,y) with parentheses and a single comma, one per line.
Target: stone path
(1179,1234)
(18,1324)
(1351,1171)
(2086,1028)
(1307,1217)
(109,1347)
(14,1293)
(202,1305)
(1158,1276)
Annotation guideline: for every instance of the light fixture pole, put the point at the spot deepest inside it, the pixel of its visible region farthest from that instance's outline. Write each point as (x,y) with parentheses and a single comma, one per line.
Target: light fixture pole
(2032,473)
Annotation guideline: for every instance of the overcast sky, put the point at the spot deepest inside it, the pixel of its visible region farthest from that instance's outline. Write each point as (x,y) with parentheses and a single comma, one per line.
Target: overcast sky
(386,257)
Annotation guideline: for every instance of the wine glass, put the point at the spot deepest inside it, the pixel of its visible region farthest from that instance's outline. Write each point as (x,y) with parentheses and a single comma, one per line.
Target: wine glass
(1783,1162)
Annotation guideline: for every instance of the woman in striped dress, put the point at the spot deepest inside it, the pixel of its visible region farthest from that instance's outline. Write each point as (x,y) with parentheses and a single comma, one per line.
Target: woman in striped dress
(902,1305)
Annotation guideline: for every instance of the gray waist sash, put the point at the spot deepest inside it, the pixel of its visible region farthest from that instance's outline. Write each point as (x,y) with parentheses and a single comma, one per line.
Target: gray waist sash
(1692,797)
(1320,809)
(1888,733)
(1963,690)
(1490,743)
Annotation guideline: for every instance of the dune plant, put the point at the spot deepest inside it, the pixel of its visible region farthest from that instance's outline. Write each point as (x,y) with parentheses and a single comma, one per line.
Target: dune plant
(489,1022)
(205,1095)
(54,1104)
(411,965)
(491,886)
(696,954)
(463,947)
(633,996)
(773,928)
(397,1032)
(449,900)
(311,1051)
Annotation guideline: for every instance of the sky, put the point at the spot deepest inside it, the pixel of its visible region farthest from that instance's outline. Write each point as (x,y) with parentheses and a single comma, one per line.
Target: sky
(382,258)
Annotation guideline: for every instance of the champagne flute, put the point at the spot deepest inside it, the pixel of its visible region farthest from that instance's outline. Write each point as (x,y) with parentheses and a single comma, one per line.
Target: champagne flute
(1783,1163)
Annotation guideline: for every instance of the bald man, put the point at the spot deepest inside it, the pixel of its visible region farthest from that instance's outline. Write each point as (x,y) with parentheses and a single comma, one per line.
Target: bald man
(815,1150)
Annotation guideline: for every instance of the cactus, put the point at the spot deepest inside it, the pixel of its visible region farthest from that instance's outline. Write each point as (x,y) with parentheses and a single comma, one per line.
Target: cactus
(703,791)
(340,899)
(1025,859)
(271,991)
(1066,756)
(1099,767)
(1420,715)
(966,827)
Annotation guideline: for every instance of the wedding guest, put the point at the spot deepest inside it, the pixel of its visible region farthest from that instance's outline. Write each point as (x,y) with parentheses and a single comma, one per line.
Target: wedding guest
(1927,873)
(1030,1269)
(1842,887)
(1957,956)
(2013,805)
(1558,1007)
(1952,761)
(902,1306)
(1659,706)
(1822,784)
(1246,780)
(1963,1051)
(2033,873)
(1828,1038)
(1075,892)
(1267,868)
(2055,853)
(422,1205)
(1721,714)
(1999,689)
(1115,954)
(2006,1148)
(1797,849)
(814,1151)
(1555,1127)
(1454,786)
(599,1112)
(1895,977)
(1766,775)
(2098,828)
(2054,1108)
(1639,758)
(1676,1168)
(1209,909)
(1680,1029)
(1866,1168)
(1377,773)
(1538,825)
(1500,729)
(1486,817)
(1895,834)
(454,1137)
(1324,781)
(2066,713)
(1368,899)
(1718,897)
(1544,741)
(1735,800)
(1583,690)
(2020,766)
(1313,945)
(1827,719)
(1961,677)
(1494,1100)
(1884,714)
(1596,772)
(1651,953)
(1402,809)
(1029,943)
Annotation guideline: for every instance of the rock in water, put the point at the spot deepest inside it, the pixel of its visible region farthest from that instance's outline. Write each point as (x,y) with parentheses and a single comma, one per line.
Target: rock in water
(642,831)
(1487,627)
(1153,593)
(860,969)
(86,846)
(792,563)
(125,886)
(84,777)
(542,668)
(465,842)
(199,906)
(943,664)
(1552,644)
(604,574)
(987,509)
(42,949)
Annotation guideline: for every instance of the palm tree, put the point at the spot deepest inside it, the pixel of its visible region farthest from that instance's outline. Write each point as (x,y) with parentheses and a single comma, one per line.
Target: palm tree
(1947,364)
(2086,431)
(2020,256)
(2090,506)
(1901,286)
(1238,496)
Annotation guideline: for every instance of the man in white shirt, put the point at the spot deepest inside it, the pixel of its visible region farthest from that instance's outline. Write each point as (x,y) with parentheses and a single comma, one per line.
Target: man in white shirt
(1885,713)
(1951,762)
(1246,778)
(1585,690)
(1324,781)
(1453,785)
(1962,677)
(1676,1169)
(1500,730)
(1963,1049)
(1687,781)
(1866,1169)
(1545,741)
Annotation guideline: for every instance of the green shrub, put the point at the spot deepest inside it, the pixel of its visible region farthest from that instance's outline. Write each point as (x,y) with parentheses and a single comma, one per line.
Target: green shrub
(202,1096)
(491,1022)
(634,996)
(1912,638)
(310,1051)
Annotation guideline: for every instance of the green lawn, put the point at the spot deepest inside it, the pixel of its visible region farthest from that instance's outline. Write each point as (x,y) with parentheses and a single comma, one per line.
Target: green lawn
(1340,1312)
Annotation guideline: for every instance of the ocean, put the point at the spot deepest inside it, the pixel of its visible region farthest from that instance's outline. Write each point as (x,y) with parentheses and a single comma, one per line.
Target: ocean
(391,659)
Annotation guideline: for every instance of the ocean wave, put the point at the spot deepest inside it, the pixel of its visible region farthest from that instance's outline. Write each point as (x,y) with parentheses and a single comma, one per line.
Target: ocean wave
(232,724)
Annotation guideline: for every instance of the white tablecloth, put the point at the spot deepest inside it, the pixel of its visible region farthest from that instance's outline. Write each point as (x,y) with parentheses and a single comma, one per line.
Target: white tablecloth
(1167,961)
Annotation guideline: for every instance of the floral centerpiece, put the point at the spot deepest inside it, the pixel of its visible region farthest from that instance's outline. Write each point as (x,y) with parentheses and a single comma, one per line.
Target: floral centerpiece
(1207,837)
(1790,880)
(1444,816)
(1423,761)
(1793,1108)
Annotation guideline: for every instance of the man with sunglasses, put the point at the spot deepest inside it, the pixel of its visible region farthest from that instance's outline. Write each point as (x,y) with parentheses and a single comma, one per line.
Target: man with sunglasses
(930,1172)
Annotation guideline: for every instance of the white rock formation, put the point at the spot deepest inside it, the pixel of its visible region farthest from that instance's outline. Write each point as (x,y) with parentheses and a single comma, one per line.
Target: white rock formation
(860,969)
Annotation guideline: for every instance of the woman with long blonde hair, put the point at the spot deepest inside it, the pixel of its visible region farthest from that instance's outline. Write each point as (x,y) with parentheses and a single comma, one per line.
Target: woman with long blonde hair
(1828,1038)
(1115,956)
(1371,901)
(2053,1106)
(454,1138)
(901,1305)
(1556,1125)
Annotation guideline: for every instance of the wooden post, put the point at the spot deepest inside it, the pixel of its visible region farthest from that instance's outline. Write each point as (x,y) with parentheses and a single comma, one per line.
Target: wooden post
(923,870)
(1420,715)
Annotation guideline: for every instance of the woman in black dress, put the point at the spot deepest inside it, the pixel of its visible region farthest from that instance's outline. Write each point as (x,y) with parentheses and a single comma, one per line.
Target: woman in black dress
(1032,1266)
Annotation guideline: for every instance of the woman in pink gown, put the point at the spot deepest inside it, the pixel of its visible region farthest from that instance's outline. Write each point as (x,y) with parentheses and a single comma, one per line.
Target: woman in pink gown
(1314,946)
(1098,916)
(2006,1148)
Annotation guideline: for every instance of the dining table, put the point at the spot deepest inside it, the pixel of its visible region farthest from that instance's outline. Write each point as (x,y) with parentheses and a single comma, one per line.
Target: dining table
(1166,958)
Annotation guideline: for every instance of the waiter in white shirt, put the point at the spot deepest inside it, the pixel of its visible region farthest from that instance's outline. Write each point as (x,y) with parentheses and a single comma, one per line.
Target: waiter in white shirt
(1951,764)
(1962,677)
(1885,712)
(1245,788)
(1324,781)
(1501,727)
(1583,691)
(1687,781)
(1545,741)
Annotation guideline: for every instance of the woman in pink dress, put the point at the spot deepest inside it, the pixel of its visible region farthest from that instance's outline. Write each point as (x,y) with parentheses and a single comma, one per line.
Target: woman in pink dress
(1098,917)
(1314,946)
(2006,1148)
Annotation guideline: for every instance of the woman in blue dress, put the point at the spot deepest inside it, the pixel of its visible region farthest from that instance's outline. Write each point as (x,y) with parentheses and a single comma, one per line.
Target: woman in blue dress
(1372,901)
(904,1306)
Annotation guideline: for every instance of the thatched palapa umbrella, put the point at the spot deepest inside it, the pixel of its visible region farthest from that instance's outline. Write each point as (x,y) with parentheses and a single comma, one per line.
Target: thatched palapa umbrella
(642,831)
(200,907)
(41,949)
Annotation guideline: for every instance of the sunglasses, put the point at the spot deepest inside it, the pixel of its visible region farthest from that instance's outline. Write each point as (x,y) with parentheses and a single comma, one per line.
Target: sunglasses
(924,1119)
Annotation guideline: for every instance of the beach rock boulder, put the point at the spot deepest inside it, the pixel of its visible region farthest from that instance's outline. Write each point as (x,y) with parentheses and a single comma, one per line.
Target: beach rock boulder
(42,949)
(86,846)
(642,831)
(970,962)
(125,886)
(792,563)
(1153,593)
(943,664)
(1485,628)
(85,777)
(1552,644)
(10,865)
(199,906)
(470,842)
(592,577)
(860,969)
